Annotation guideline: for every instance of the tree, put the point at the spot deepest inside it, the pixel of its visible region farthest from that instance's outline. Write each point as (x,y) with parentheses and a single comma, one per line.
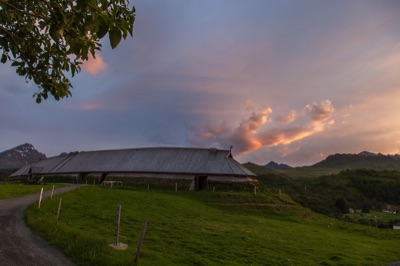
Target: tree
(341,204)
(45,39)
(365,208)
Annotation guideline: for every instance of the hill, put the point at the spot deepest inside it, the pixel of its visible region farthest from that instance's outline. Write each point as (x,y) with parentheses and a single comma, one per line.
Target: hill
(274,165)
(20,156)
(362,160)
(331,165)
(205,228)
(357,188)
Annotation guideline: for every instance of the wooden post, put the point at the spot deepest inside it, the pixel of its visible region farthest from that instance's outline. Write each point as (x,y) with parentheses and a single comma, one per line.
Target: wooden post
(59,209)
(40,197)
(52,193)
(176,187)
(118,220)
(139,247)
(255,190)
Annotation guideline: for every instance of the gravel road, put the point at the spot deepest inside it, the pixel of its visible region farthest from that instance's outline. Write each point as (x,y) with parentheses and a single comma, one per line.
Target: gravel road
(18,245)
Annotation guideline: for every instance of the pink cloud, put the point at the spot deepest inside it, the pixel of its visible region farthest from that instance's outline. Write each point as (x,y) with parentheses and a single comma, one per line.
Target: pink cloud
(91,106)
(258,130)
(285,120)
(94,65)
(320,112)
(212,131)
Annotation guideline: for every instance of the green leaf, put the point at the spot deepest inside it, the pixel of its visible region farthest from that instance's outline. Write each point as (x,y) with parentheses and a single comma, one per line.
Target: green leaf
(115,37)
(103,28)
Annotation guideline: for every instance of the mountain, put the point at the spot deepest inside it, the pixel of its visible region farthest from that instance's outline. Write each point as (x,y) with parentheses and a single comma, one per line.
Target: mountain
(361,160)
(367,153)
(19,156)
(274,165)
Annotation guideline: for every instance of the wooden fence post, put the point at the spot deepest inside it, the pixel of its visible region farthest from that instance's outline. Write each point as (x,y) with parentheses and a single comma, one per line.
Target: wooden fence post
(59,209)
(118,223)
(118,245)
(40,197)
(52,193)
(139,247)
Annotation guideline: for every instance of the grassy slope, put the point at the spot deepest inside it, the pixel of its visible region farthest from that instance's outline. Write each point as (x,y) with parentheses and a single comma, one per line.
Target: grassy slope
(206,229)
(304,172)
(17,190)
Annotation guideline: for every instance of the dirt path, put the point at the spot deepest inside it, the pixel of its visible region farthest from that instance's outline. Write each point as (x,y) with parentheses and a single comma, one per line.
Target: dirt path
(18,245)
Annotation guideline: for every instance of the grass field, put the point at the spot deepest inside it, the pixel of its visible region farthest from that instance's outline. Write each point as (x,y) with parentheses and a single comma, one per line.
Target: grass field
(17,190)
(205,228)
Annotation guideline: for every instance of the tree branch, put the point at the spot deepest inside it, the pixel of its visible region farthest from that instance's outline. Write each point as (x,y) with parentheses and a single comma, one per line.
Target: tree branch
(20,10)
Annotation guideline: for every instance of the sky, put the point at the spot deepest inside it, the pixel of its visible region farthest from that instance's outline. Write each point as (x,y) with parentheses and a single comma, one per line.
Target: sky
(291,81)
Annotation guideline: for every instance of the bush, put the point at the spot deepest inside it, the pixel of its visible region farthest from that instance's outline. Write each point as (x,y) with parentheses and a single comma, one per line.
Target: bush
(341,204)
(365,209)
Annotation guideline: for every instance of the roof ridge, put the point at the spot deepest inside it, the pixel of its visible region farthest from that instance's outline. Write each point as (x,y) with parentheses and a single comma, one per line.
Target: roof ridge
(160,147)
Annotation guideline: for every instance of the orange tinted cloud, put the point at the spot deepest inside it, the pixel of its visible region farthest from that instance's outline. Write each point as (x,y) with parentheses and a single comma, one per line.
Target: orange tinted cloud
(258,130)
(285,120)
(94,65)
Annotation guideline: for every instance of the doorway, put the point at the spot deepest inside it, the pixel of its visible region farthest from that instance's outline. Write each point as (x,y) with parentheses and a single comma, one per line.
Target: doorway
(201,182)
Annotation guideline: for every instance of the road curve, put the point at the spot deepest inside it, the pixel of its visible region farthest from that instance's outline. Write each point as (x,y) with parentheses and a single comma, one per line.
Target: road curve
(18,245)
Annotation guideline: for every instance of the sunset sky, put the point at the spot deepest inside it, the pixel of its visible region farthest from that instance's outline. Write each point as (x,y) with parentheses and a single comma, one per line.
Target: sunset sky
(286,80)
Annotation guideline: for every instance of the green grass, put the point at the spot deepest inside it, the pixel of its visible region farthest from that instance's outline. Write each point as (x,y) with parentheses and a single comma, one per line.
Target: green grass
(205,228)
(303,172)
(17,190)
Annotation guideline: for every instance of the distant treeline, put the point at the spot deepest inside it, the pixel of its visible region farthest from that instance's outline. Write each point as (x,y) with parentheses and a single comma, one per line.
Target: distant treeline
(360,189)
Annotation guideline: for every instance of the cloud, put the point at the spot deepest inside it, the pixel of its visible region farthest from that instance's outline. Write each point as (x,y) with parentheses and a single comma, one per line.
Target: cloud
(285,120)
(320,112)
(258,131)
(243,135)
(94,65)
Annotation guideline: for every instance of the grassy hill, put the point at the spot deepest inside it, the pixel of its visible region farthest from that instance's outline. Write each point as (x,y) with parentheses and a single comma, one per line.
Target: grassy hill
(320,188)
(304,172)
(206,228)
(360,161)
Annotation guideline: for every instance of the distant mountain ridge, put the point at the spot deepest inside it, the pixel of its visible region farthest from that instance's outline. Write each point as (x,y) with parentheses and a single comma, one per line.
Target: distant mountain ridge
(274,165)
(363,159)
(20,156)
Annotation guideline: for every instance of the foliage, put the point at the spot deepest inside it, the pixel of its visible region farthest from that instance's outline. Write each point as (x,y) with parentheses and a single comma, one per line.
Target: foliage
(45,39)
(365,209)
(5,173)
(341,204)
(360,189)
(205,228)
